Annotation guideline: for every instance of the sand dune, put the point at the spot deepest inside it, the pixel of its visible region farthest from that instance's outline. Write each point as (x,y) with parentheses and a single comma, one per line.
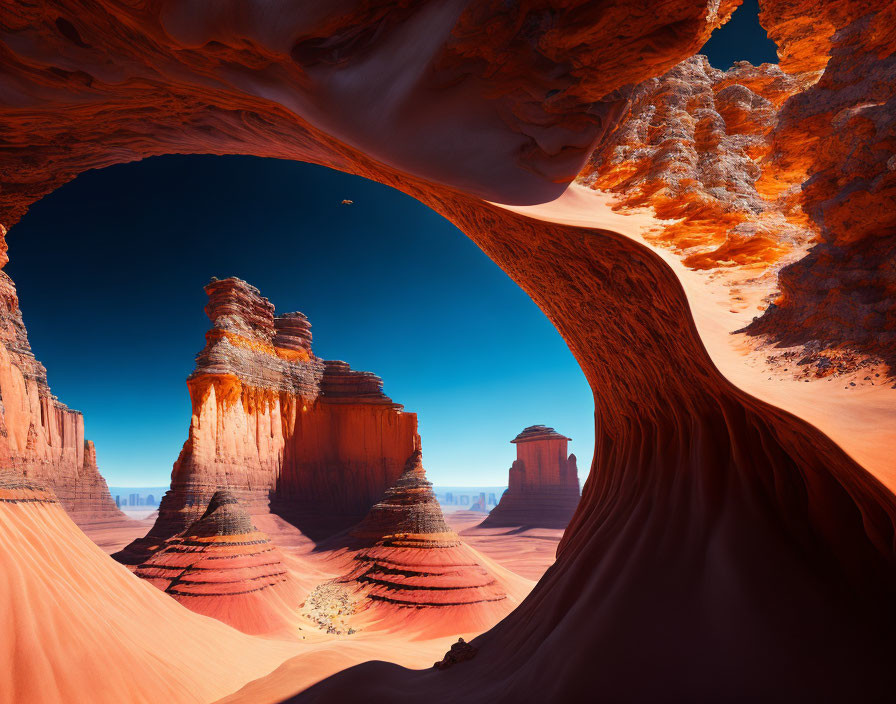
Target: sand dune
(79,627)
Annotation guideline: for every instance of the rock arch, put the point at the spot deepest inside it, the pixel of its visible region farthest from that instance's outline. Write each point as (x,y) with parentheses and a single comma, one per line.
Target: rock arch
(721,545)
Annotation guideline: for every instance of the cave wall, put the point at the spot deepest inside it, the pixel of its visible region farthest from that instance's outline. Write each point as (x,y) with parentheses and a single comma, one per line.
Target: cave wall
(722,548)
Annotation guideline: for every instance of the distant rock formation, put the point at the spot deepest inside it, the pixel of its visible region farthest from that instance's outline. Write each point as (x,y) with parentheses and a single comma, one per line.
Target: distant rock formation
(415,561)
(223,567)
(40,437)
(312,440)
(543,489)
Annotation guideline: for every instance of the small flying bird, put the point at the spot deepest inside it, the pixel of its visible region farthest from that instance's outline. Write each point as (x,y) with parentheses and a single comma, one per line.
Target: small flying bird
(347,202)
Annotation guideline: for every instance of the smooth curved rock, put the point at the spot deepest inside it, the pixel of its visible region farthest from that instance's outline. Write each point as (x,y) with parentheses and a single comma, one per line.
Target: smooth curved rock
(77,627)
(723,549)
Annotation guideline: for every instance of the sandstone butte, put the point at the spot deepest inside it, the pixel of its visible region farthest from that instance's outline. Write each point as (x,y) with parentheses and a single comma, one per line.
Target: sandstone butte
(414,574)
(223,566)
(543,487)
(284,431)
(735,536)
(40,438)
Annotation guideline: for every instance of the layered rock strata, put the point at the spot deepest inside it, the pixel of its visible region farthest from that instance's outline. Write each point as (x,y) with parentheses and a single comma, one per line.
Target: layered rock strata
(413,560)
(223,567)
(726,547)
(543,488)
(781,175)
(283,430)
(40,437)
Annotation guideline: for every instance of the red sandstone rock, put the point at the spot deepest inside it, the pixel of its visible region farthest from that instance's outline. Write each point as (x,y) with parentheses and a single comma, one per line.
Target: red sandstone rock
(223,567)
(415,561)
(784,172)
(543,489)
(690,149)
(40,437)
(283,430)
(723,548)
(837,139)
(536,83)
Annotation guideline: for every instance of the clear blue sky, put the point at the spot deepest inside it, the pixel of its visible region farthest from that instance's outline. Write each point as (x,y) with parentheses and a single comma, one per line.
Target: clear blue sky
(110,270)
(742,38)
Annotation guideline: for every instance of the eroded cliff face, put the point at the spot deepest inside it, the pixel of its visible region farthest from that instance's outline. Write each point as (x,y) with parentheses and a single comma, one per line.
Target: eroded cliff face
(781,176)
(283,430)
(837,139)
(543,485)
(40,437)
(723,546)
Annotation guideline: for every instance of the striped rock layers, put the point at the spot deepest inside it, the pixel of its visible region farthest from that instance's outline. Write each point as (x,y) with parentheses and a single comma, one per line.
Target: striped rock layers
(544,483)
(414,560)
(313,440)
(223,567)
(40,437)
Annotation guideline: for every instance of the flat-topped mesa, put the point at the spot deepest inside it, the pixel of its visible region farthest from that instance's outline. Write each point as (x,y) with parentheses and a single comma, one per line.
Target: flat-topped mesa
(281,428)
(543,489)
(223,566)
(40,437)
(415,561)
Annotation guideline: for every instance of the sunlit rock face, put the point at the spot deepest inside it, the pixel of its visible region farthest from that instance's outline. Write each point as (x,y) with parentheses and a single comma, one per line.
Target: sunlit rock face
(40,437)
(723,549)
(781,175)
(223,566)
(838,138)
(280,428)
(543,488)
(691,149)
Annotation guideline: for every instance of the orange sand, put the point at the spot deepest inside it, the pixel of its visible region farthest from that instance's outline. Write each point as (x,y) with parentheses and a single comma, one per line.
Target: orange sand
(75,626)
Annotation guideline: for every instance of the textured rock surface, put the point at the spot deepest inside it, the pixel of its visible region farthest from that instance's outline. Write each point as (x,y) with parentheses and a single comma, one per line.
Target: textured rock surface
(543,488)
(690,149)
(40,437)
(782,175)
(315,441)
(223,567)
(413,560)
(536,83)
(724,547)
(837,138)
